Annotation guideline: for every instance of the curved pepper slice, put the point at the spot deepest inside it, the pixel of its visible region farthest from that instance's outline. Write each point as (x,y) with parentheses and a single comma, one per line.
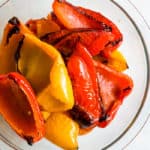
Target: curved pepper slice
(77,17)
(106,25)
(114,87)
(47,74)
(41,64)
(68,16)
(19,107)
(116,61)
(8,49)
(83,76)
(62,130)
(65,40)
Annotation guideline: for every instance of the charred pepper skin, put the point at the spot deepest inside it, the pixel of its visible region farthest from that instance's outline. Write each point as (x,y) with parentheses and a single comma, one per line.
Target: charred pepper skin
(83,76)
(78,17)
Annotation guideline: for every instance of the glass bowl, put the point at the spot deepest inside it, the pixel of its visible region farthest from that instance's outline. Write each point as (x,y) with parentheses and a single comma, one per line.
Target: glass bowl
(134,112)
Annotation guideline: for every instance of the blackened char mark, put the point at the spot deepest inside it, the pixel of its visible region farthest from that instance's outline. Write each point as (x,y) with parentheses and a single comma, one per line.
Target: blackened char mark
(65,40)
(60,1)
(82,117)
(55,37)
(12,31)
(104,117)
(127,89)
(113,43)
(14,21)
(101,25)
(17,54)
(29,140)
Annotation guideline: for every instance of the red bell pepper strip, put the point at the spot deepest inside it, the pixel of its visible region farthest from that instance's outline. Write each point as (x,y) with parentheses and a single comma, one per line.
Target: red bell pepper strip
(19,107)
(107,25)
(83,76)
(65,40)
(68,16)
(77,17)
(114,87)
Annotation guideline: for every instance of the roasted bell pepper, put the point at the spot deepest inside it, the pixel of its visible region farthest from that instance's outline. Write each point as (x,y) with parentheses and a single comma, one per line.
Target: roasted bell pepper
(105,24)
(77,17)
(19,107)
(68,16)
(41,64)
(62,130)
(83,76)
(115,61)
(114,87)
(42,26)
(8,46)
(65,40)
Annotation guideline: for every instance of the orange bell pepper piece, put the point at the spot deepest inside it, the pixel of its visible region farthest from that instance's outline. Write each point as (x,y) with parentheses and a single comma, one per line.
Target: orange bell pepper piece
(19,107)
(40,63)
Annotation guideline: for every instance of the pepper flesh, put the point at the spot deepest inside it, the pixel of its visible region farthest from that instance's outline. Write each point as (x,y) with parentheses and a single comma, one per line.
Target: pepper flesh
(58,80)
(31,54)
(42,26)
(116,61)
(62,130)
(65,40)
(19,107)
(77,17)
(114,87)
(83,76)
(106,25)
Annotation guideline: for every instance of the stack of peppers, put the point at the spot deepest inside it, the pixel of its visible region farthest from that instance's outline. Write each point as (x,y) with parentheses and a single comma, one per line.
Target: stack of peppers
(62,73)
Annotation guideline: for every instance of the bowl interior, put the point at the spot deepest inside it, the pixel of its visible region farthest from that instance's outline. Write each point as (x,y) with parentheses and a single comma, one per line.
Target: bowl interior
(132,48)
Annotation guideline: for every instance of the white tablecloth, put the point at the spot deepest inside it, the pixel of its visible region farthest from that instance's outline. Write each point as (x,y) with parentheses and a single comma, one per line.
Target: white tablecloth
(142,141)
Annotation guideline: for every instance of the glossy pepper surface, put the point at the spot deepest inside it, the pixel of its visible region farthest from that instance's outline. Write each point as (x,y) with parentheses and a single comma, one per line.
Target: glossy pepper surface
(77,17)
(83,76)
(62,130)
(19,107)
(114,87)
(40,63)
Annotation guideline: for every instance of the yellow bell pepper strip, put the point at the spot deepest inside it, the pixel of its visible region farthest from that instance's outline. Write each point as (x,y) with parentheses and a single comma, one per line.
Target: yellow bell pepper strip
(7,51)
(19,107)
(115,61)
(43,67)
(62,130)
(11,41)
(46,71)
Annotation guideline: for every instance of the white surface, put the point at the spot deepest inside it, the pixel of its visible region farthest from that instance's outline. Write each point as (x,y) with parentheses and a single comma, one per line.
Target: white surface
(142,140)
